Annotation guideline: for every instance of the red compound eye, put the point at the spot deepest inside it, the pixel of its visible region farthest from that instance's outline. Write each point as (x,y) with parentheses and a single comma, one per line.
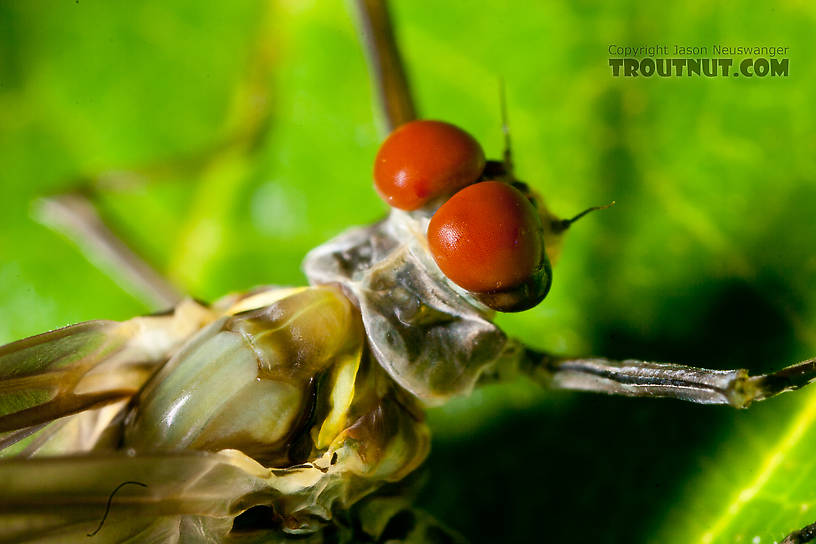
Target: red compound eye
(487,237)
(422,160)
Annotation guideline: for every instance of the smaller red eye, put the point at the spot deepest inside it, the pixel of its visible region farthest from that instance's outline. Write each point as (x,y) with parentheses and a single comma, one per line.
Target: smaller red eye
(422,160)
(487,237)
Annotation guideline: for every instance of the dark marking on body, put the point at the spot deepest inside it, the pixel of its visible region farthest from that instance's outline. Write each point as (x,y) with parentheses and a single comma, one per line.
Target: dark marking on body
(257,518)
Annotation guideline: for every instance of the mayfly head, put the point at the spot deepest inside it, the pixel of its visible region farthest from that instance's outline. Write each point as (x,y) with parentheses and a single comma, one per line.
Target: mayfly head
(487,232)
(464,239)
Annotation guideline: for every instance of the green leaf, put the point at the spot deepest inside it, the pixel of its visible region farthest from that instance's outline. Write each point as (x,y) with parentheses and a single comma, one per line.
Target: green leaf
(759,490)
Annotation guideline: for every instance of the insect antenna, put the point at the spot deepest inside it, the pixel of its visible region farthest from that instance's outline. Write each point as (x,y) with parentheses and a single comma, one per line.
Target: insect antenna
(508,152)
(561,225)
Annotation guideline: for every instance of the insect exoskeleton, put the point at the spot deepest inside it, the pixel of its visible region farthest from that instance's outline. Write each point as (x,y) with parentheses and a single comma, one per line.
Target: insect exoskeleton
(283,376)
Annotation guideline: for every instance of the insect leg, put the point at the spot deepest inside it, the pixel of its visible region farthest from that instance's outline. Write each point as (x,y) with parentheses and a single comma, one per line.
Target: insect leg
(387,70)
(634,378)
(247,122)
(75,216)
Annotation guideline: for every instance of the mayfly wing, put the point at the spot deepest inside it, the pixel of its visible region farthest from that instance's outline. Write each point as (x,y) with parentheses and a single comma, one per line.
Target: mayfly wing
(165,496)
(83,368)
(188,496)
(231,386)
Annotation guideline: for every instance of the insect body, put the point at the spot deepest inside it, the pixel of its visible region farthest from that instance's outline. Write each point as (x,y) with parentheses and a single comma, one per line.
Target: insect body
(300,401)
(278,378)
(273,413)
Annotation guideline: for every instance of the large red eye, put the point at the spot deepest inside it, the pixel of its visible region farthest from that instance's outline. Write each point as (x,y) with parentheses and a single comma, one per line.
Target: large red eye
(487,237)
(422,160)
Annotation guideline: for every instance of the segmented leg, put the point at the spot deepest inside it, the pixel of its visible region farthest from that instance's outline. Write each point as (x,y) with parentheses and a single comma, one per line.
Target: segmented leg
(634,378)
(75,216)
(387,70)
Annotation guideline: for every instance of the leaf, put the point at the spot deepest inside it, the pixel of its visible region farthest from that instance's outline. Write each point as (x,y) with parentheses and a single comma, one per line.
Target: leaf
(758,492)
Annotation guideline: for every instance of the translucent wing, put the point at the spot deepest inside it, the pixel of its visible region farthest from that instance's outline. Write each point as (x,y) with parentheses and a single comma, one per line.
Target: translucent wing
(192,496)
(184,497)
(86,369)
(365,432)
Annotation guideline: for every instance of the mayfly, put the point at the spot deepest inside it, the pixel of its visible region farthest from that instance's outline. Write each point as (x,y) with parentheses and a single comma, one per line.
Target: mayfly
(277,411)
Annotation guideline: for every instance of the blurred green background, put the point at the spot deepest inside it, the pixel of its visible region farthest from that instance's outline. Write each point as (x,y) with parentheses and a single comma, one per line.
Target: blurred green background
(254,124)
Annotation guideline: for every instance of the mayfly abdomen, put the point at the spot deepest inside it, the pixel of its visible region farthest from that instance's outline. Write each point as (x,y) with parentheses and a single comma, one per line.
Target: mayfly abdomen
(247,381)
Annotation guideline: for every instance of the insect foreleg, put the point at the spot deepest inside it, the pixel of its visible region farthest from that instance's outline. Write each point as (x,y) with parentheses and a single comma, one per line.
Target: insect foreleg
(634,378)
(388,73)
(75,216)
